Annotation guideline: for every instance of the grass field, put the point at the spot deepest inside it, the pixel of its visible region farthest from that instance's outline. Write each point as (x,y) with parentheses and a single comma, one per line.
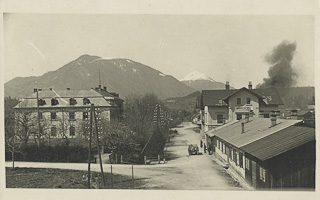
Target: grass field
(61,178)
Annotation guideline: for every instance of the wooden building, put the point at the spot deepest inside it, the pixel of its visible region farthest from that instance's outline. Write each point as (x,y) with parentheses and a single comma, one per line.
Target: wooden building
(274,154)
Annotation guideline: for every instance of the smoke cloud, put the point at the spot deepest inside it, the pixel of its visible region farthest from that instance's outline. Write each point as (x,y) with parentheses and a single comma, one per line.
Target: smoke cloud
(281,73)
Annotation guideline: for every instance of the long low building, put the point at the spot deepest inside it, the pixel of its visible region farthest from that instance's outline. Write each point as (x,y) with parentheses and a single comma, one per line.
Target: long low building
(275,154)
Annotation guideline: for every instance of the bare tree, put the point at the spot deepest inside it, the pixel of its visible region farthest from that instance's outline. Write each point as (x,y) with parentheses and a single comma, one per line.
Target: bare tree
(25,126)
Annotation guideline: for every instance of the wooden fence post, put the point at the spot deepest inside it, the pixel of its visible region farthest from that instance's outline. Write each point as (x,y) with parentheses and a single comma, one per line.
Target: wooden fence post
(145,160)
(132,178)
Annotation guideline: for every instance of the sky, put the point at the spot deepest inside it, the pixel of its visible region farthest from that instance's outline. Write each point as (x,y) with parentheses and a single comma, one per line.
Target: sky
(224,47)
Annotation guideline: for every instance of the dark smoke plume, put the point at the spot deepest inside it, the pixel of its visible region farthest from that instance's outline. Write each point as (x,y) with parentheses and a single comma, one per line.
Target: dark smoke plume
(281,73)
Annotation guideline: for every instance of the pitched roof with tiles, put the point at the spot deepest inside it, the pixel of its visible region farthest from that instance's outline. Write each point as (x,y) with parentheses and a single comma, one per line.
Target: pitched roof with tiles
(270,96)
(63,97)
(214,97)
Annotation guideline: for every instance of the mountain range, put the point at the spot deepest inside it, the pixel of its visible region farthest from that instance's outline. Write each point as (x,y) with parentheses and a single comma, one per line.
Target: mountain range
(123,76)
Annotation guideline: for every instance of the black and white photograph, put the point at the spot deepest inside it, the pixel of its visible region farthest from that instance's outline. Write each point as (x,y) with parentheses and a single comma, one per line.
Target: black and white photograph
(161,100)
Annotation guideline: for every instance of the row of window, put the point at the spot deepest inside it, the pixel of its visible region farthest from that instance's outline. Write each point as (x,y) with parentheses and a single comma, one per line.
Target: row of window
(72,101)
(53,115)
(72,131)
(239,101)
(237,158)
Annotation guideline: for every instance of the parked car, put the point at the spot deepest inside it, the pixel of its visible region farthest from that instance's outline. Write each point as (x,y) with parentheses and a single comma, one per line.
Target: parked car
(193,149)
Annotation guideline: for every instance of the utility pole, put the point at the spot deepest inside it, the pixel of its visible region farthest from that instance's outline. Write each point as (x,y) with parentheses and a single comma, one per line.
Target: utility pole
(39,127)
(98,142)
(89,156)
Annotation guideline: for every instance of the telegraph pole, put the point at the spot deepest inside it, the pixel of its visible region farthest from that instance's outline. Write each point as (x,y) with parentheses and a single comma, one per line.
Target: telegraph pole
(89,156)
(97,133)
(39,127)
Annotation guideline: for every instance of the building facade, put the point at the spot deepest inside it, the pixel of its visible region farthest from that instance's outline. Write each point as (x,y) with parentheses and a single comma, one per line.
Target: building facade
(218,107)
(65,113)
(274,154)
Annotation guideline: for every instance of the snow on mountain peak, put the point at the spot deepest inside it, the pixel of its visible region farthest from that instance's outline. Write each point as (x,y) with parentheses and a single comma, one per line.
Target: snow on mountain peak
(194,76)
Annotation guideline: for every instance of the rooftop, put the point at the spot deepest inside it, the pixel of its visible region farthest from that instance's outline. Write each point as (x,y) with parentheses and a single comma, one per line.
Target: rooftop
(216,97)
(254,130)
(63,97)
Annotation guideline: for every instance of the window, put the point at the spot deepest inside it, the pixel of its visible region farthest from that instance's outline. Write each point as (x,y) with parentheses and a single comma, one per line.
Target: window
(85,115)
(248,100)
(53,131)
(86,101)
(218,144)
(53,116)
(239,116)
(265,115)
(231,152)
(72,131)
(235,155)
(238,101)
(72,101)
(54,102)
(220,118)
(41,102)
(241,159)
(262,174)
(71,115)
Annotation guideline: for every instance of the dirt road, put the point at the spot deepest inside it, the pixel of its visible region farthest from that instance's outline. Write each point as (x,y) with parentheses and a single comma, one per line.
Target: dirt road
(180,172)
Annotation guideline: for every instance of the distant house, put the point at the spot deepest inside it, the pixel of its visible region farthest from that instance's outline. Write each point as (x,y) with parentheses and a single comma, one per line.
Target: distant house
(64,113)
(218,107)
(267,153)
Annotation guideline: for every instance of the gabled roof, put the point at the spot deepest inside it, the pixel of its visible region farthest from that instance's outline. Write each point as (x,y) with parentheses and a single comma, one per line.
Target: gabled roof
(270,96)
(214,97)
(255,129)
(280,142)
(243,89)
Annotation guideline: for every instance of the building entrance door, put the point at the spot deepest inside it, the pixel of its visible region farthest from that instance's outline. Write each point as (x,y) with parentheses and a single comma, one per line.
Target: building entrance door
(254,175)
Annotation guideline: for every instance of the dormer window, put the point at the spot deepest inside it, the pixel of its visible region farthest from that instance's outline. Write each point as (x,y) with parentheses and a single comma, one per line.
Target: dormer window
(41,102)
(72,101)
(54,102)
(86,101)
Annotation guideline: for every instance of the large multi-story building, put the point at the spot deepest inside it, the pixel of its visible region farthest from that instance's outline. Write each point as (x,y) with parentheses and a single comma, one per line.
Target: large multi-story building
(63,113)
(218,107)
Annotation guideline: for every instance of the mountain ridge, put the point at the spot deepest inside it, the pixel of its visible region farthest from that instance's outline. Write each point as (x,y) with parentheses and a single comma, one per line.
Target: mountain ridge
(120,75)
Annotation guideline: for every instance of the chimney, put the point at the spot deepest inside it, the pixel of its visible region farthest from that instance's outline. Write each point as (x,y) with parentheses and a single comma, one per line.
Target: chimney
(50,89)
(34,90)
(68,88)
(273,118)
(227,85)
(250,85)
(104,88)
(242,127)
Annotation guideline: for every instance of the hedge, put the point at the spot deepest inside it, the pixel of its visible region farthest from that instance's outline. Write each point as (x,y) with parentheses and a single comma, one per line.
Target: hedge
(58,153)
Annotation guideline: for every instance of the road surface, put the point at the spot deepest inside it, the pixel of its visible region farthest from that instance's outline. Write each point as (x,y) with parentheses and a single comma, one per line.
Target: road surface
(180,172)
